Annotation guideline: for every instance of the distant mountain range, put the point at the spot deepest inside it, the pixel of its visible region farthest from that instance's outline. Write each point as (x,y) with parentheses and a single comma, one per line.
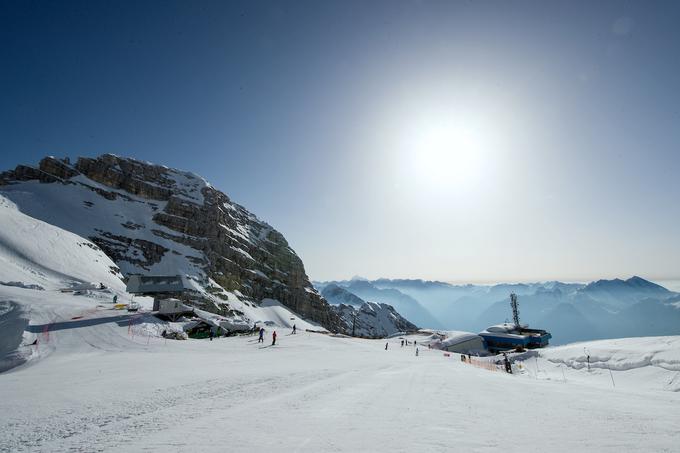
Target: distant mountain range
(570,311)
(407,306)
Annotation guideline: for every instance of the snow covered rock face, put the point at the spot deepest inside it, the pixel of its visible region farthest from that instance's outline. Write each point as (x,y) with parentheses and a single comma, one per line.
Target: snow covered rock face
(154,220)
(373,320)
(365,319)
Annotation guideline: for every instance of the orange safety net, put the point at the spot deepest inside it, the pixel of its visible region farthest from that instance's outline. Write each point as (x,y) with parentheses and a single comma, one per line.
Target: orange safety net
(481,363)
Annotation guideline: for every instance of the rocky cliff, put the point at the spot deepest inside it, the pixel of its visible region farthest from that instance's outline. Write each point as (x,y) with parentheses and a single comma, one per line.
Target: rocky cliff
(155,220)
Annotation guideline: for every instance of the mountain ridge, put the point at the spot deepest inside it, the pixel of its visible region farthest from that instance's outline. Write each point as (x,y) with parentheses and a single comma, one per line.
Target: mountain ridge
(152,219)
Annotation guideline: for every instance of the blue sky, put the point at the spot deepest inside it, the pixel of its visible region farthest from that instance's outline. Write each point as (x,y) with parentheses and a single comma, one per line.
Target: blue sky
(462,141)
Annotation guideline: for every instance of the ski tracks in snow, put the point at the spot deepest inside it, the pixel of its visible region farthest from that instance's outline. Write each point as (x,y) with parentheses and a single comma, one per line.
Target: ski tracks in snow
(124,422)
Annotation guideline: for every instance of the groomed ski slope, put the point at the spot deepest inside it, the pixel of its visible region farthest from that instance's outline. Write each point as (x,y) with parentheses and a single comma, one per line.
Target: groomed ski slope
(105,389)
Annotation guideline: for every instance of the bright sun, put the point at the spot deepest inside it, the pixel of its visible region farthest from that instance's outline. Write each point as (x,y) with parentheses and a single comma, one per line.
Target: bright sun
(447,155)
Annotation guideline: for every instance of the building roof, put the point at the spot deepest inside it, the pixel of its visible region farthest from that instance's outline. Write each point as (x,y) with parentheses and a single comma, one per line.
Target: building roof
(455,338)
(160,284)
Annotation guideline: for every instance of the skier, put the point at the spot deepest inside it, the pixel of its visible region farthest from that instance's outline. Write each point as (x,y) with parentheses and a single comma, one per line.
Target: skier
(211,334)
(415,342)
(115,298)
(261,339)
(416,352)
(294,329)
(274,338)
(508,368)
(402,343)
(386,346)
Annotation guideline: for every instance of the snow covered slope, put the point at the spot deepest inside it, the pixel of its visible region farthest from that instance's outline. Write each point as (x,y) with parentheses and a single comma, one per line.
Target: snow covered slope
(313,392)
(38,261)
(35,253)
(52,300)
(108,381)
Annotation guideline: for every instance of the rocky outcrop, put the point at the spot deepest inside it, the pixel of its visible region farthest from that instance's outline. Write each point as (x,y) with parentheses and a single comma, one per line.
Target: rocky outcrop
(138,251)
(372,320)
(59,168)
(25,173)
(365,319)
(155,220)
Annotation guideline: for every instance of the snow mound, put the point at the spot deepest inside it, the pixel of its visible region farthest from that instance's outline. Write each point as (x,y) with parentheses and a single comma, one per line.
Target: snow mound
(37,255)
(644,361)
(273,312)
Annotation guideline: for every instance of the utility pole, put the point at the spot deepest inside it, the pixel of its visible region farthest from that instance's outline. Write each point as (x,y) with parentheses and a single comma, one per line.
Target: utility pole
(515,309)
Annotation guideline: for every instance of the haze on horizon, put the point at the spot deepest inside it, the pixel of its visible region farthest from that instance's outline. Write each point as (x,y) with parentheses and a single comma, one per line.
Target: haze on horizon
(457,141)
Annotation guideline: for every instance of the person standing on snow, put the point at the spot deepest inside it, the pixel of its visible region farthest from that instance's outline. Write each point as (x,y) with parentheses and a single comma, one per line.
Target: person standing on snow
(211,334)
(416,352)
(274,338)
(294,329)
(261,339)
(508,367)
(386,346)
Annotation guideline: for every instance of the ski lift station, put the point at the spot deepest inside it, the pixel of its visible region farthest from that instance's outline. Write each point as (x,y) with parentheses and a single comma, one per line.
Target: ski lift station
(503,337)
(168,292)
(506,336)
(162,286)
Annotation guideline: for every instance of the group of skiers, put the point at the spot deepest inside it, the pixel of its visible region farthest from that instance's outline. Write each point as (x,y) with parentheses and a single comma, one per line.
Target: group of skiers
(261,333)
(211,334)
(261,337)
(415,344)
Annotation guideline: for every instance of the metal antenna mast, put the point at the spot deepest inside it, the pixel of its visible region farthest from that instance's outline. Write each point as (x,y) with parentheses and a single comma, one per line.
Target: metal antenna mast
(515,309)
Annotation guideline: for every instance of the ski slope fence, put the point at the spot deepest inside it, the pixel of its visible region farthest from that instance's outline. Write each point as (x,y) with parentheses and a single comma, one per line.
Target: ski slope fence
(485,364)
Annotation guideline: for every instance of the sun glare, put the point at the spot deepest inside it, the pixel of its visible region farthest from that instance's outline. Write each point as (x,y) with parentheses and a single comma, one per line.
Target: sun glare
(447,155)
